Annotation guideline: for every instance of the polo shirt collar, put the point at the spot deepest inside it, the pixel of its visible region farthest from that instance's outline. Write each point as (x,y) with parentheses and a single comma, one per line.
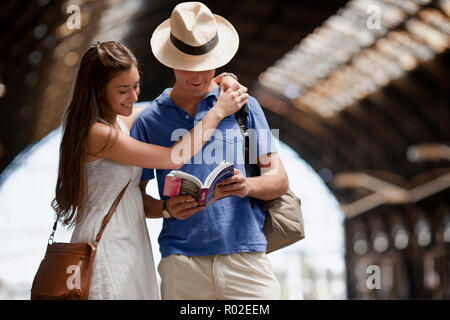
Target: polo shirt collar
(164,99)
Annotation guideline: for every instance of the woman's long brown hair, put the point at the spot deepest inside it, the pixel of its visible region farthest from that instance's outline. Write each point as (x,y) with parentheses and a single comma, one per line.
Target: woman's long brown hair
(99,64)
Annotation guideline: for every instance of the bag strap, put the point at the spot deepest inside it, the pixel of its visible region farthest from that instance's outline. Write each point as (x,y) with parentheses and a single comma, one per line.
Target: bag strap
(241,118)
(105,219)
(250,169)
(110,213)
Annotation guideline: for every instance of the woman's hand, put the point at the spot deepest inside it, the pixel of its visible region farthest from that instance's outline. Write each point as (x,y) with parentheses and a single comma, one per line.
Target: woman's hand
(230,100)
(230,82)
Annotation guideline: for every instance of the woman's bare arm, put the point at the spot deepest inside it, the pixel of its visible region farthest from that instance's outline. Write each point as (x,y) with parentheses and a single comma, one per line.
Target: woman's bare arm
(124,149)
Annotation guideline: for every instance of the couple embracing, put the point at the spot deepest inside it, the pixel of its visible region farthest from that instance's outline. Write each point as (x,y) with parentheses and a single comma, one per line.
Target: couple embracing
(212,252)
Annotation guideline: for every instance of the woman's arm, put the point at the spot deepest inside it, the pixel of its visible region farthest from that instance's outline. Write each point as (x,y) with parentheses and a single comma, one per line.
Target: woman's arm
(225,79)
(228,80)
(124,149)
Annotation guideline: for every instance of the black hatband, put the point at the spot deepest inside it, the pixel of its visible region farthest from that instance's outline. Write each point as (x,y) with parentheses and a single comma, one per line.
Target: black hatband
(194,51)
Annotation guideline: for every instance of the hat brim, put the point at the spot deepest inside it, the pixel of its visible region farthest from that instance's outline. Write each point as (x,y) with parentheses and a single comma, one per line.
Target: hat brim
(170,56)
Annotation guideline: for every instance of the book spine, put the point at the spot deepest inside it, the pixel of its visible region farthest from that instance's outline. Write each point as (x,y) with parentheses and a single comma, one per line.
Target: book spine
(172,186)
(202,196)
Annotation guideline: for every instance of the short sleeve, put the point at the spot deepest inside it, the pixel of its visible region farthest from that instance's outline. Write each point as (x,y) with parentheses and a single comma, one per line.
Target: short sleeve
(259,131)
(141,132)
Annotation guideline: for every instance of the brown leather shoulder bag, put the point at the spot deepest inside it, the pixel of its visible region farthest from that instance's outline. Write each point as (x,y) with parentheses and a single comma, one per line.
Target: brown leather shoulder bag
(66,270)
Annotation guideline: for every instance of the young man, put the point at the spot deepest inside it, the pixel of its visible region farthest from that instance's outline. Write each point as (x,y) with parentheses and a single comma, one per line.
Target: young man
(217,251)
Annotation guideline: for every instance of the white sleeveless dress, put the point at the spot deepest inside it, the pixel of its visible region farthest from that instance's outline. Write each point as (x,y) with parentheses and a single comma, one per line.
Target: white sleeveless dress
(123,266)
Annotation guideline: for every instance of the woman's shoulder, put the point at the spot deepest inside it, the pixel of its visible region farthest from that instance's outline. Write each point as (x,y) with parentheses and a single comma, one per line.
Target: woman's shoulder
(99,129)
(128,121)
(100,136)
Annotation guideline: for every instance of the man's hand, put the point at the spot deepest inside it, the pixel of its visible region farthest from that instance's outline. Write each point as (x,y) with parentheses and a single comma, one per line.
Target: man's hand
(234,186)
(182,207)
(272,183)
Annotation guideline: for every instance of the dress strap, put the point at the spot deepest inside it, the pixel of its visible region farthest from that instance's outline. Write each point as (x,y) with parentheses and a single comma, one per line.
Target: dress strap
(123,126)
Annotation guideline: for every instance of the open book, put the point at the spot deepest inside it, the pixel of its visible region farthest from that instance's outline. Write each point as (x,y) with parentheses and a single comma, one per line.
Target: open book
(181,183)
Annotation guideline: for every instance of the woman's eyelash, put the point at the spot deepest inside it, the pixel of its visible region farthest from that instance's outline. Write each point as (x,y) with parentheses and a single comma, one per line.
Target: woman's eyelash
(134,87)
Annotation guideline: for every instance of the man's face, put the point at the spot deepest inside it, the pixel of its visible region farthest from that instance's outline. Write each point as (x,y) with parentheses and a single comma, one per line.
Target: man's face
(195,83)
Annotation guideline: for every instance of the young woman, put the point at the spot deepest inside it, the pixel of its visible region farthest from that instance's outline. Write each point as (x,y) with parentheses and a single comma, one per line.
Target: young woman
(98,158)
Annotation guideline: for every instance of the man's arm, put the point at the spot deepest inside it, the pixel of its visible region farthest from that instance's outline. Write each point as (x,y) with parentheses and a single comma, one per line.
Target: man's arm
(272,183)
(152,206)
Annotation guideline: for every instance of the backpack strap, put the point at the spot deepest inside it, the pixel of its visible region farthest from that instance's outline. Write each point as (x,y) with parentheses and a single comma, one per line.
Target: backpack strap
(250,169)
(241,117)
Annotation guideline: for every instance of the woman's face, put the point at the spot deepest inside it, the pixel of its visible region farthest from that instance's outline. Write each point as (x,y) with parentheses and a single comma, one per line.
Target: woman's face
(122,91)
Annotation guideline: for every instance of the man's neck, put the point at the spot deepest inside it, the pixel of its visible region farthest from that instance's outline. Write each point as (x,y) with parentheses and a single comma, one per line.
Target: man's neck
(185,100)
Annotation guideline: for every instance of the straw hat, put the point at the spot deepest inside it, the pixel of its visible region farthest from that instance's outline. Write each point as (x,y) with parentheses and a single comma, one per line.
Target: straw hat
(194,39)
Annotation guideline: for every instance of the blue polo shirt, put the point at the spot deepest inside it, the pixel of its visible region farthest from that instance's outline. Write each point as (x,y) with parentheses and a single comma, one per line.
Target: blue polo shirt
(229,225)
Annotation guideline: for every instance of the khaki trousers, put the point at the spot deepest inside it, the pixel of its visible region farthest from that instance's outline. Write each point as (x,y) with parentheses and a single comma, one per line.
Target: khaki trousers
(237,276)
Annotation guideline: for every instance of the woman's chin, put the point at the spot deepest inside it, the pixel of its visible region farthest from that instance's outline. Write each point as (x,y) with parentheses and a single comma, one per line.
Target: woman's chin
(126,112)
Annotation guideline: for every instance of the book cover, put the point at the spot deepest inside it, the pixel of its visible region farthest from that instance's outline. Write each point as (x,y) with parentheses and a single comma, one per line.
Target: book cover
(181,183)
